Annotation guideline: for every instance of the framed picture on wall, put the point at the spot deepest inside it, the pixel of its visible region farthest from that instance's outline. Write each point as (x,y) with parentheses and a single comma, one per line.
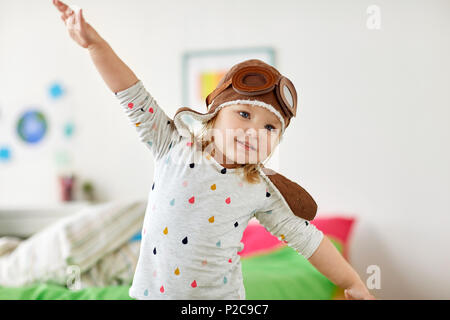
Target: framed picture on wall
(202,71)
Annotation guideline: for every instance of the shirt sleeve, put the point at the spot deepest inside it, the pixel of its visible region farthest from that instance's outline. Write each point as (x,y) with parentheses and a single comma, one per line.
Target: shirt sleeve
(155,129)
(281,222)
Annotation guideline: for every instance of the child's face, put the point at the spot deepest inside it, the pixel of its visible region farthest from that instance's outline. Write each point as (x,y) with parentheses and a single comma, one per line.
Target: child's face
(250,124)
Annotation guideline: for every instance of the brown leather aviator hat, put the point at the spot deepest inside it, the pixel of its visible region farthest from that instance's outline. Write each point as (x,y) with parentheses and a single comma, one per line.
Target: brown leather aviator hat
(256,83)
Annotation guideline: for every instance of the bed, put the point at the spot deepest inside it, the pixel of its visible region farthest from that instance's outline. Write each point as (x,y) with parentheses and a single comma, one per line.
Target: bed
(271,269)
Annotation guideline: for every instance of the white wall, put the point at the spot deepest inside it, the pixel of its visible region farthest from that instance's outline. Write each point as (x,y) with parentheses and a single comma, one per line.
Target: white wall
(370,139)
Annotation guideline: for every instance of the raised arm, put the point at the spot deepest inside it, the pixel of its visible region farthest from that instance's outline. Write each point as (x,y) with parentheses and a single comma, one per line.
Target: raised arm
(116,74)
(156,130)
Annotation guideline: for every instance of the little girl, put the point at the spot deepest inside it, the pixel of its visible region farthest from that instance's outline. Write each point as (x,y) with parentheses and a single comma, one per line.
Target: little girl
(204,193)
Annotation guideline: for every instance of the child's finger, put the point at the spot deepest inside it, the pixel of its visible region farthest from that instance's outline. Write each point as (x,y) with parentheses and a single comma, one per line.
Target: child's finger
(71,20)
(60,6)
(81,17)
(348,295)
(80,14)
(68,13)
(62,9)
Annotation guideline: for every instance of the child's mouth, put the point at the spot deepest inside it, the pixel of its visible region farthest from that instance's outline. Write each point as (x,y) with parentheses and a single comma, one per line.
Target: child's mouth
(246,146)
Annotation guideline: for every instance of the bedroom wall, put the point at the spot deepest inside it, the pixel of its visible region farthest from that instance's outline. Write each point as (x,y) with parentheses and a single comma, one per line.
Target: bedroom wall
(369,140)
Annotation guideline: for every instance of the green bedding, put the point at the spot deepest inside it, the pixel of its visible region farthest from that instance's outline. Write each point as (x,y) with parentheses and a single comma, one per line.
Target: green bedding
(47,291)
(278,274)
(285,275)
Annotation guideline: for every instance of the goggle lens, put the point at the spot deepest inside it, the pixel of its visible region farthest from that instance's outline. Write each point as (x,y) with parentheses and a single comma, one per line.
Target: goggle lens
(253,81)
(288,95)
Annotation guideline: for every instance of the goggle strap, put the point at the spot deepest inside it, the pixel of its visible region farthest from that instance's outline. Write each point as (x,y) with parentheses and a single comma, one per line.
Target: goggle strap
(286,110)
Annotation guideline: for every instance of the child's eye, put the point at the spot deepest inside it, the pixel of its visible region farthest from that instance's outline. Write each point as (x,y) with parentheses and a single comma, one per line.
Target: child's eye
(269,125)
(240,112)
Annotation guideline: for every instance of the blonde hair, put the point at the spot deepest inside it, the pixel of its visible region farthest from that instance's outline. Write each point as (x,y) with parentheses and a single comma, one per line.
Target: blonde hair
(249,171)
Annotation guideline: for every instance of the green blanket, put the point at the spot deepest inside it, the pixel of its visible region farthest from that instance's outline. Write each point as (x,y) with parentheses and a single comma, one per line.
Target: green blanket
(278,274)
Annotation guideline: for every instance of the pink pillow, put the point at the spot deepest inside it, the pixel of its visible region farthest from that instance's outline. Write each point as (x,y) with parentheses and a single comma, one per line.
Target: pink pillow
(258,240)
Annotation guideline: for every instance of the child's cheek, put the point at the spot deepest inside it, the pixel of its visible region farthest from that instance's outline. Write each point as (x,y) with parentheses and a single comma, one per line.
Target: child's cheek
(265,146)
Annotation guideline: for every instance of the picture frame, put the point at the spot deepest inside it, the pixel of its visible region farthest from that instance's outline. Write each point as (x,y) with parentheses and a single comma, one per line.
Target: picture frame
(203,69)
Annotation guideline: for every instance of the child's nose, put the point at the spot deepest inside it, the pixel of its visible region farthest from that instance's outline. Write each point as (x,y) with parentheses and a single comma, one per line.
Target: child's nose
(251,136)
(251,132)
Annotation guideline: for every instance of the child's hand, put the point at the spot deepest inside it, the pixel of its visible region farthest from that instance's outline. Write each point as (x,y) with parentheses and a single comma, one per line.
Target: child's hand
(79,30)
(358,292)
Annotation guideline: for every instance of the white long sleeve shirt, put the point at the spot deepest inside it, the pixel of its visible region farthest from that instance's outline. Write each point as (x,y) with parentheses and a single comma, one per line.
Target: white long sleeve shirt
(197,212)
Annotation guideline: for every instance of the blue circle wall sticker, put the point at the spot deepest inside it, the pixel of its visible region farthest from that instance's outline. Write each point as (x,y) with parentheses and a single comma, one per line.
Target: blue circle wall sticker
(5,153)
(56,90)
(68,129)
(32,126)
